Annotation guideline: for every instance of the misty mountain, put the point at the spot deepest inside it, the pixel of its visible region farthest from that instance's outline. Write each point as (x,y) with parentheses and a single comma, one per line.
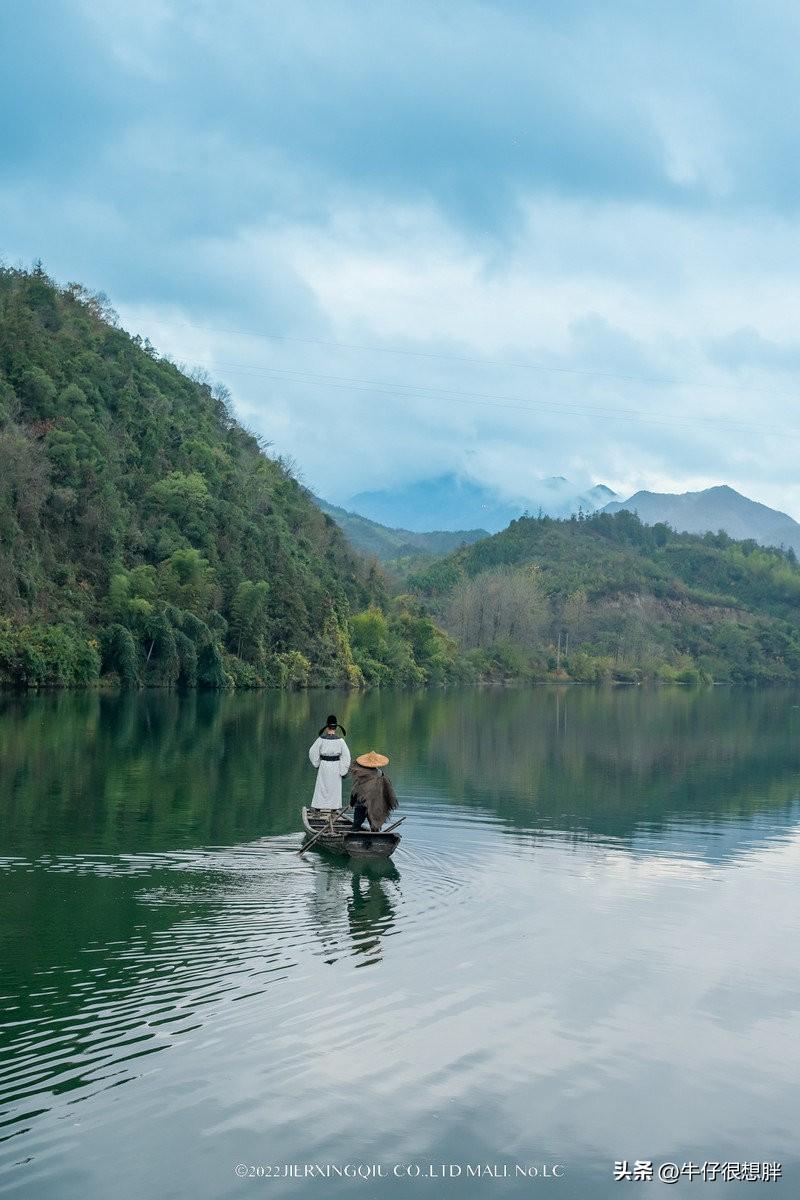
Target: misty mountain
(386,544)
(455,502)
(714,509)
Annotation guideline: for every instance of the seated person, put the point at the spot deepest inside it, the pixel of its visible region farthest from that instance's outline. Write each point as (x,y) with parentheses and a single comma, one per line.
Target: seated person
(372,795)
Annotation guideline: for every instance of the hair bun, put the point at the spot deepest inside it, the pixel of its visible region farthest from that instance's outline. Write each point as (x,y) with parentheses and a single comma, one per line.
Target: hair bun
(332,723)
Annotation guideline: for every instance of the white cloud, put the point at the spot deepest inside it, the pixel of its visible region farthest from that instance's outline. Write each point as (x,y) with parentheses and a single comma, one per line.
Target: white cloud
(578,194)
(607,304)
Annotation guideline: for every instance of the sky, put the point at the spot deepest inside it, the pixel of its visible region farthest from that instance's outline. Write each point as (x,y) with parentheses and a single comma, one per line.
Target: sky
(509,240)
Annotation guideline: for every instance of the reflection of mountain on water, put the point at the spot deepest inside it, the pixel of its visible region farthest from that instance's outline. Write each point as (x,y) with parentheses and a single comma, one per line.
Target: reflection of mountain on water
(100,773)
(366,893)
(728,839)
(717,841)
(152,841)
(614,763)
(97,772)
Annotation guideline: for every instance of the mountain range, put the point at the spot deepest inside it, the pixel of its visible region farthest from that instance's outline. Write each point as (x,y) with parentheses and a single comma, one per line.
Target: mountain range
(396,522)
(711,510)
(457,502)
(387,544)
(145,538)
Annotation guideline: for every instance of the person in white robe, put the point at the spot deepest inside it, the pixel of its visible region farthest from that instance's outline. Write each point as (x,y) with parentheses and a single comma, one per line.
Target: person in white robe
(331,757)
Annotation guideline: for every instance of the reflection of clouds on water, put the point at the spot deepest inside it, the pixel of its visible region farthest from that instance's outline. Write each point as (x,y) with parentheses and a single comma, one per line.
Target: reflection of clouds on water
(541,974)
(535,981)
(609,993)
(633,974)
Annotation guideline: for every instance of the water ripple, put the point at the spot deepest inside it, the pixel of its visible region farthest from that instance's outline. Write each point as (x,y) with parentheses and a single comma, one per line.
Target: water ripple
(491,937)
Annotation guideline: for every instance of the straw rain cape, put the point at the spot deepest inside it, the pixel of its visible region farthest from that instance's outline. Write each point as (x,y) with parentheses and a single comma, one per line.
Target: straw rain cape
(373,789)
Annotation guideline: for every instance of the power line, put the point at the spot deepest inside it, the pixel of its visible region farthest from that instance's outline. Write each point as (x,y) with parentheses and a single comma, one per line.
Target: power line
(485,362)
(487,400)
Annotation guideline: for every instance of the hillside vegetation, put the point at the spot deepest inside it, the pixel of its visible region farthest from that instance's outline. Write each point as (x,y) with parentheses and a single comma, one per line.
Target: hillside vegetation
(606,597)
(147,538)
(145,535)
(392,545)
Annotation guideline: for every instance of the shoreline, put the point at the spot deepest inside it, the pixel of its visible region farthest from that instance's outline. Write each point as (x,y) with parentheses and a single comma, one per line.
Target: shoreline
(112,687)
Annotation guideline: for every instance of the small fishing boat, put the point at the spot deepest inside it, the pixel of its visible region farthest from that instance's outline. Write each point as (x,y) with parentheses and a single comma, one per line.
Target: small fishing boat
(334,831)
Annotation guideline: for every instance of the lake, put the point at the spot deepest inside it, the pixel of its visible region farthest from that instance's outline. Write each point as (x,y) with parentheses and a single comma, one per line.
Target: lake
(585,949)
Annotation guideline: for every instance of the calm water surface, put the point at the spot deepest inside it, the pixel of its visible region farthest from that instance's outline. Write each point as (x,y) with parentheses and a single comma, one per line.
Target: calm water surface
(585,949)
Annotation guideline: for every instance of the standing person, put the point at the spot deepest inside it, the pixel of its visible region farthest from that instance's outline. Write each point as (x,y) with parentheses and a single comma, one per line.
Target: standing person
(330,755)
(372,796)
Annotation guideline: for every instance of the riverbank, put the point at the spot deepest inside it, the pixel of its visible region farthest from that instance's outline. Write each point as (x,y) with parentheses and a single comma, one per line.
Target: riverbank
(58,656)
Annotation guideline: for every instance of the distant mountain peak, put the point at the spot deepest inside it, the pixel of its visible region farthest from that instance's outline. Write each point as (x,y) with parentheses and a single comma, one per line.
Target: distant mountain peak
(370,537)
(715,508)
(459,502)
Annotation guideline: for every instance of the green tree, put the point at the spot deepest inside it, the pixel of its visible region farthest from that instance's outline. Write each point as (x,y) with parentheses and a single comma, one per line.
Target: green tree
(187,580)
(248,624)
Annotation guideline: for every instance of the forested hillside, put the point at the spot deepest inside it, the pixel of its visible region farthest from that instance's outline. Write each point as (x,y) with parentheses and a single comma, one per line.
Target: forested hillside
(145,535)
(146,538)
(390,545)
(606,597)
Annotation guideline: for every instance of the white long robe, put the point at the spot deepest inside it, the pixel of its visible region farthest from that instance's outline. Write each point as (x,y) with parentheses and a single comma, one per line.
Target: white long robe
(328,789)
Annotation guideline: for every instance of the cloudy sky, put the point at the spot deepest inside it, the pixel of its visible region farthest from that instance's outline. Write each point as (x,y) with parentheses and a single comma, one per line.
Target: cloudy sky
(508,239)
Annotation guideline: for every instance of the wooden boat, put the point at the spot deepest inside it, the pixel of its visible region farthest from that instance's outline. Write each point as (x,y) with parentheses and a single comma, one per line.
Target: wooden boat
(340,838)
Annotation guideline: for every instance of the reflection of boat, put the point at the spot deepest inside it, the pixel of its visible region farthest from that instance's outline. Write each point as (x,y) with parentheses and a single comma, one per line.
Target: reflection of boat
(367,890)
(337,835)
(371,910)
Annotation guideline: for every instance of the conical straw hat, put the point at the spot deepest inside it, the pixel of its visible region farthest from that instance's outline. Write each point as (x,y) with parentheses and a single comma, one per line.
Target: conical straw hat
(373,759)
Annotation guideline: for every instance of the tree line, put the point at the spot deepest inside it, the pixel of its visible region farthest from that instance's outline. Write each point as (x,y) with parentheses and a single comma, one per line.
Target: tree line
(148,539)
(605,597)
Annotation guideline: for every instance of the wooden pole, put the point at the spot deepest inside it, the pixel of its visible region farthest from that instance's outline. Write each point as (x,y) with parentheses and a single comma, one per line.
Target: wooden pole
(317,836)
(391,827)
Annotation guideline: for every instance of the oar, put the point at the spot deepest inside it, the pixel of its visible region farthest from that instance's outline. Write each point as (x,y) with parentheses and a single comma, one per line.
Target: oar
(317,836)
(391,827)
(376,831)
